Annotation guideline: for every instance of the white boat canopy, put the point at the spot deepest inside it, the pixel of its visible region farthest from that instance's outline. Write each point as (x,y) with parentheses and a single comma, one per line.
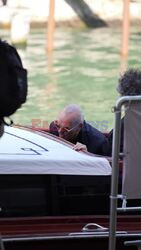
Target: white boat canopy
(26,152)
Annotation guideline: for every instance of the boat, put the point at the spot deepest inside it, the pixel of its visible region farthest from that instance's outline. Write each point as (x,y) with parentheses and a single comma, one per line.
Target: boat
(66,232)
(49,206)
(44,172)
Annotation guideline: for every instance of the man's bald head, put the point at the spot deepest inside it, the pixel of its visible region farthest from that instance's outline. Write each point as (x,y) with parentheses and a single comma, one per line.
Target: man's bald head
(70,117)
(73,113)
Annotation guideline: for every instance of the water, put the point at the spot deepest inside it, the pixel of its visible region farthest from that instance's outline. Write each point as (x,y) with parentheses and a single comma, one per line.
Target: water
(85,69)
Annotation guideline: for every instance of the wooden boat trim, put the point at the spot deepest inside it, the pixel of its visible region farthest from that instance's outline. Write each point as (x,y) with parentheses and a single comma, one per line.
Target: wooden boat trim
(57,139)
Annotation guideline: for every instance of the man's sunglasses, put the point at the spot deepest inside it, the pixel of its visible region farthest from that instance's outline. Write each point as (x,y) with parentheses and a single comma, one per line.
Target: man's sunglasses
(64,129)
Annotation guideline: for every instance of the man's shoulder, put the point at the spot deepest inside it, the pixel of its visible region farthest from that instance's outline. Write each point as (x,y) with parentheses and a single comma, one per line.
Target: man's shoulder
(96,142)
(92,131)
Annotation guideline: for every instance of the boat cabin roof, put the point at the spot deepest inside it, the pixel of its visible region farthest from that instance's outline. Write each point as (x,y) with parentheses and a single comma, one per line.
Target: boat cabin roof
(26,152)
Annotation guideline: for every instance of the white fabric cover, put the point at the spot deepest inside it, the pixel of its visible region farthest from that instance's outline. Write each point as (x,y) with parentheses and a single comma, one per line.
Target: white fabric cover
(24,152)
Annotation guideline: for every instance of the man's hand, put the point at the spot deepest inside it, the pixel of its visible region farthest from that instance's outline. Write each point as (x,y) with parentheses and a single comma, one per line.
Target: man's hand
(80,147)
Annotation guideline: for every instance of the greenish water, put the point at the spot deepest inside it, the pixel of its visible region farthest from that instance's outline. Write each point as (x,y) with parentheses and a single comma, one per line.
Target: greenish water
(85,69)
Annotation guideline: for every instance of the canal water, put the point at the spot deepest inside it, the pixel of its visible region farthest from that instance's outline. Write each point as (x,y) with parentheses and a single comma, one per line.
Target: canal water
(83,69)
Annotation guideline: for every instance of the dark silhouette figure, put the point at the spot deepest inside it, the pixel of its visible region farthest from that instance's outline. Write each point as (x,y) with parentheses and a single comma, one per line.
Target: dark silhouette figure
(86,14)
(129,85)
(13,82)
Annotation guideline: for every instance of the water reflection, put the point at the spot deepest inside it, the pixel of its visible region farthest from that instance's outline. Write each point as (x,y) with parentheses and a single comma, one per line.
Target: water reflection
(124,64)
(84,69)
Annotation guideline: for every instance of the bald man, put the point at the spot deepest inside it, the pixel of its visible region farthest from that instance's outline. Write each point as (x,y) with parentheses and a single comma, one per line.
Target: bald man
(72,127)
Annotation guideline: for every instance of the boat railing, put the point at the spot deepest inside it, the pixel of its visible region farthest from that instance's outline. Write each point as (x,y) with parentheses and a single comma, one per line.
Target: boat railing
(136,243)
(1,244)
(131,160)
(94,227)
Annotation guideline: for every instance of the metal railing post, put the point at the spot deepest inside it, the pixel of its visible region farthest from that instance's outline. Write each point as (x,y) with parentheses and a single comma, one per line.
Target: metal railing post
(114,185)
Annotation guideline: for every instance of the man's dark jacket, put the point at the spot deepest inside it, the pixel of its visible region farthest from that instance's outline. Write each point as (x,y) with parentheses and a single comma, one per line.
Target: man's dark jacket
(95,141)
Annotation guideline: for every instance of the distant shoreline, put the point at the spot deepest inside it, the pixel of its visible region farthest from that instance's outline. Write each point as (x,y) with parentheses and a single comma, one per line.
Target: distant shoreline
(74,23)
(70,13)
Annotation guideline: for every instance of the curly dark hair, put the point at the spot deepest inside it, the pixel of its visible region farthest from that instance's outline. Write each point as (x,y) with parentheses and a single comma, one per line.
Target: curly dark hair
(130,83)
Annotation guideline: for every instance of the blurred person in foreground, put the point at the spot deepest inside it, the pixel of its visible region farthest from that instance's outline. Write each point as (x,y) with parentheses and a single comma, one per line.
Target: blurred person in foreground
(72,127)
(13,82)
(129,84)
